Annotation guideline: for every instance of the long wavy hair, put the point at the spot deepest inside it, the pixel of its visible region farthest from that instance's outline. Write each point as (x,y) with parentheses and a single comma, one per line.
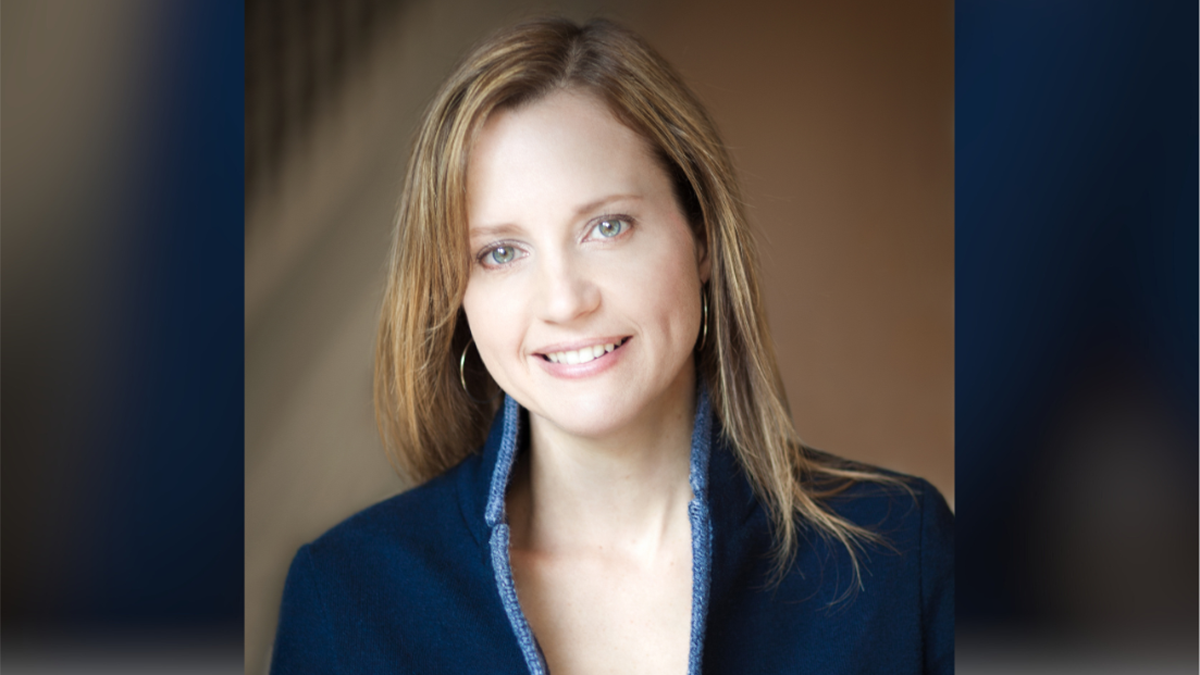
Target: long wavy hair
(429,423)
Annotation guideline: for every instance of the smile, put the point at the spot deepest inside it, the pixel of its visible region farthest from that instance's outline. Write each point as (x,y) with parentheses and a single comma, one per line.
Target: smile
(583,355)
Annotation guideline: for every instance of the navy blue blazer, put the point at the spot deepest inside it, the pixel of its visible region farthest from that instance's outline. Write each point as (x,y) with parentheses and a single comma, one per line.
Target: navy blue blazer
(421,583)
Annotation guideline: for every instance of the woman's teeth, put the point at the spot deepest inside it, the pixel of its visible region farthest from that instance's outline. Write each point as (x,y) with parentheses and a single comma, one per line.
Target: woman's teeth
(583,355)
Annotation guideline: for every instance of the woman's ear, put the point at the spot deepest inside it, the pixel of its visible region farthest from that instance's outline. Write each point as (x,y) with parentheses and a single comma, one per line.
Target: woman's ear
(703,266)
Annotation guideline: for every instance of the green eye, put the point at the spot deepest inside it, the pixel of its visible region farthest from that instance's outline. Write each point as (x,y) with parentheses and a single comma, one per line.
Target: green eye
(610,228)
(502,255)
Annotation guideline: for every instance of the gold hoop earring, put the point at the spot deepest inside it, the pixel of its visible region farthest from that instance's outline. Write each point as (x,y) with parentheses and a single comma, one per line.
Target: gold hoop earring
(462,377)
(462,362)
(704,309)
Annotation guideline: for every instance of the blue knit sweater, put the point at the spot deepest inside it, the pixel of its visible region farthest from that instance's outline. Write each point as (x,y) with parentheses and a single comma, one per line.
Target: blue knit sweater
(421,583)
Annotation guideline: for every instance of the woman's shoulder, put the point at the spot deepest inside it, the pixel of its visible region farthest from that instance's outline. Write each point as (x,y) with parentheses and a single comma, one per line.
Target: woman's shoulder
(882,602)
(907,512)
(909,569)
(857,490)
(360,597)
(423,520)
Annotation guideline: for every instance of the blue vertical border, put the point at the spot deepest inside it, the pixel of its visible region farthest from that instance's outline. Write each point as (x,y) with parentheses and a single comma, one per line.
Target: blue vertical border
(1075,260)
(175,481)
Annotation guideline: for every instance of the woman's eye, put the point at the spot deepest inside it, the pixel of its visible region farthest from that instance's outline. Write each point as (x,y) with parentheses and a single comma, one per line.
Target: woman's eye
(611,227)
(502,255)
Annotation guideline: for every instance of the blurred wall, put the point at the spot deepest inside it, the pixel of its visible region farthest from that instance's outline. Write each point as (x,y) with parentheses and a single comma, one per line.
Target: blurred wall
(839,117)
(121,379)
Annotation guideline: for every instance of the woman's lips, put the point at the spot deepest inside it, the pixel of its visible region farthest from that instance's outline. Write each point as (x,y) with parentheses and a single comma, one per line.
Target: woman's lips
(558,363)
(584,354)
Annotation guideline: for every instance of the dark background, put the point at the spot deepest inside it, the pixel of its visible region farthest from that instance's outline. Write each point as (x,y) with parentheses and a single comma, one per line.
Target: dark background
(1076,370)
(121,354)
(121,372)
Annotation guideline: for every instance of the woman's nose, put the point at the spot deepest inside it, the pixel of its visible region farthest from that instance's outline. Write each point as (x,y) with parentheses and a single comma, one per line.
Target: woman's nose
(567,290)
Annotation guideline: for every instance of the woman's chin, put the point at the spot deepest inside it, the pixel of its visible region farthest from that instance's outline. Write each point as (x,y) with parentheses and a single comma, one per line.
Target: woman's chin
(588,417)
(604,414)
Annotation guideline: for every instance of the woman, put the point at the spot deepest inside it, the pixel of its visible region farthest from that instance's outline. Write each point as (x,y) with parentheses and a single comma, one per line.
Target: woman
(570,236)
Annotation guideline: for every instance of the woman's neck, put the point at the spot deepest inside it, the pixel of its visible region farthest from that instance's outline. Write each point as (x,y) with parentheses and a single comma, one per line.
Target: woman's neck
(626,492)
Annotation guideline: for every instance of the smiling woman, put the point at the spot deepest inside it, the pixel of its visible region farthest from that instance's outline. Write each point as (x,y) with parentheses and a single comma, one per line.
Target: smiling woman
(640,502)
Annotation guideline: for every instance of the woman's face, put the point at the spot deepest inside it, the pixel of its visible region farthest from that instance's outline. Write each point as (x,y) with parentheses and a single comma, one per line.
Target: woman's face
(584,294)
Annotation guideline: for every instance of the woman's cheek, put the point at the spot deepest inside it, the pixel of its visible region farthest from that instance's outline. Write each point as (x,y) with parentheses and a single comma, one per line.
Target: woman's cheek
(495,316)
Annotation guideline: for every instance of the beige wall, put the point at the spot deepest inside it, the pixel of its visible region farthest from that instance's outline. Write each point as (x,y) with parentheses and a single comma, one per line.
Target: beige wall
(840,118)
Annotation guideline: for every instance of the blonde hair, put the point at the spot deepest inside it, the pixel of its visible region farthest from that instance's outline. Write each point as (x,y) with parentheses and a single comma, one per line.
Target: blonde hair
(429,423)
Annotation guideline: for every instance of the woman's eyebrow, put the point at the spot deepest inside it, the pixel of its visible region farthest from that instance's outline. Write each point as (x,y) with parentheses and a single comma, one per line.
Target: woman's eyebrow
(592,206)
(493,230)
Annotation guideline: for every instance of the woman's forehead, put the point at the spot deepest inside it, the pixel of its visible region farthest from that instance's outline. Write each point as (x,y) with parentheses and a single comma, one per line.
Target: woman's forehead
(564,121)
(563,149)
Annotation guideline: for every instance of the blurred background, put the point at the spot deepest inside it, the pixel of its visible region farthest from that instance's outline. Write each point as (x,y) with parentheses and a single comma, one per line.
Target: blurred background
(121,353)
(840,120)
(1076,333)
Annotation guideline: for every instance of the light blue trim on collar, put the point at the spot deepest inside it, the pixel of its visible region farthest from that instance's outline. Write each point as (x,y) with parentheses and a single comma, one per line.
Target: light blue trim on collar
(512,607)
(698,515)
(493,513)
(702,535)
(495,517)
